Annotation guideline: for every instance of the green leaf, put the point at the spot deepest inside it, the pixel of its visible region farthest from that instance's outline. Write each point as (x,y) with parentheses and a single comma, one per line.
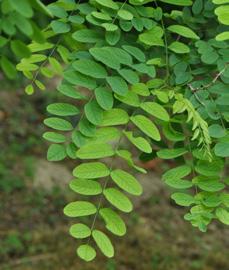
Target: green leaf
(130,98)
(59,27)
(177,173)
(223,36)
(86,128)
(93,112)
(207,168)
(112,38)
(57,11)
(106,134)
(223,14)
(211,186)
(118,85)
(216,131)
(222,149)
(146,126)
(56,152)
(23,7)
(126,155)
(152,37)
(80,231)
(183,199)
(58,124)
(179,183)
(129,75)
(86,187)
(8,68)
(55,65)
(95,151)
(104,243)
(79,209)
(114,222)
(91,170)
(62,109)
(135,52)
(171,153)
(120,55)
(71,150)
(118,199)
(110,27)
(141,143)
(104,56)
(155,110)
(79,79)
(126,182)
(179,47)
(90,68)
(141,89)
(108,4)
(172,134)
(125,15)
(101,16)
(54,137)
(69,91)
(86,252)
(104,97)
(115,117)
(223,215)
(183,31)
(20,49)
(219,2)
(29,90)
(225,199)
(178,2)
(87,36)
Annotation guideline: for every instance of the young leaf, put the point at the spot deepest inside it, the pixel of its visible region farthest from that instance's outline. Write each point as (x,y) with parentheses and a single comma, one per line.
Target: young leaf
(104,97)
(54,137)
(91,170)
(178,2)
(135,52)
(223,215)
(86,252)
(95,151)
(118,85)
(155,110)
(118,199)
(171,153)
(93,112)
(179,183)
(146,126)
(79,209)
(183,199)
(104,243)
(114,222)
(90,68)
(85,186)
(80,231)
(183,31)
(115,117)
(141,143)
(177,173)
(126,182)
(56,152)
(62,109)
(58,124)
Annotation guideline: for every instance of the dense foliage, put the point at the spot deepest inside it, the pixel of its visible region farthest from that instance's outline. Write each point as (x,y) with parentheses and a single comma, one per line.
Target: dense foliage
(152,74)
(17,26)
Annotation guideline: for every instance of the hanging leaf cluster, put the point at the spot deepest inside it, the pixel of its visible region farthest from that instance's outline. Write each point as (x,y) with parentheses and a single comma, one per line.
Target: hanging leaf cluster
(142,75)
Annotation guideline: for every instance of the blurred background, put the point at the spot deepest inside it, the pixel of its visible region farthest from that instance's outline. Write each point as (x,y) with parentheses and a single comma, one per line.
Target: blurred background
(34,231)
